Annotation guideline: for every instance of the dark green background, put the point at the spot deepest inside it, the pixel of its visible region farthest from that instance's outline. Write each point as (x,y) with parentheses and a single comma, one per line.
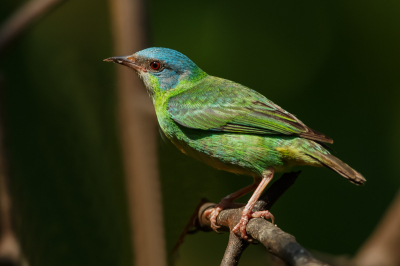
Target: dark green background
(334,64)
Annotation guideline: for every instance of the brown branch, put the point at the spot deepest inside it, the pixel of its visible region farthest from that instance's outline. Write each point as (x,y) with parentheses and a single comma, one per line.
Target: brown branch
(23,18)
(234,250)
(278,242)
(10,30)
(10,253)
(267,200)
(138,134)
(382,247)
(191,226)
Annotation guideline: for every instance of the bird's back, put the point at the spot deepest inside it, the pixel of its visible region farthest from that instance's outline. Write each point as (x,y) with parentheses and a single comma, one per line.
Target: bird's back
(203,108)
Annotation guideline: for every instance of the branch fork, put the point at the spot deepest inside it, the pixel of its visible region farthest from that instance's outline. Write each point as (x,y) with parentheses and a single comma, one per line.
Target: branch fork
(277,242)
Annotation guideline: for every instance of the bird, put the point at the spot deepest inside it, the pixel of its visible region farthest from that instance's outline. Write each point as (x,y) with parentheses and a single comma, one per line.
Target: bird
(229,127)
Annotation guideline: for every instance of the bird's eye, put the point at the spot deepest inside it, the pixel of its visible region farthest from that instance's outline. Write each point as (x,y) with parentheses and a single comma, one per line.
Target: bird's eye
(155,65)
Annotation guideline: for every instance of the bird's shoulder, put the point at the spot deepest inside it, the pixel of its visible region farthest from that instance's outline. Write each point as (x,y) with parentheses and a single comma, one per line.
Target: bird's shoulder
(218,91)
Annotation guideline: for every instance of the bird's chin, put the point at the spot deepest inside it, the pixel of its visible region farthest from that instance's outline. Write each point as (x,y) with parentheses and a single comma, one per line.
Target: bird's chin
(144,76)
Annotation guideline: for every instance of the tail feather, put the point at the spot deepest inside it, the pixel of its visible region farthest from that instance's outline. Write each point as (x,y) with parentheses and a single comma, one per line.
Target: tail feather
(339,167)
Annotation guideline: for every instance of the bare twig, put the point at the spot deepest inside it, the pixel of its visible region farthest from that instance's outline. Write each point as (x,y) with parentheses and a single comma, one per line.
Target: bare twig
(278,242)
(234,250)
(9,247)
(190,227)
(382,247)
(138,127)
(24,18)
(10,30)
(236,245)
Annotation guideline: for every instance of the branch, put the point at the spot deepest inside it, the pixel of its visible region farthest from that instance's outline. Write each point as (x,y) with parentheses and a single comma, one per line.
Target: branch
(234,250)
(138,136)
(382,247)
(23,18)
(236,245)
(10,30)
(278,242)
(10,253)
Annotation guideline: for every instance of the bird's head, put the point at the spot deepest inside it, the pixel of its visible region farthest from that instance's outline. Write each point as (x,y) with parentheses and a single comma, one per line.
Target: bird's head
(160,68)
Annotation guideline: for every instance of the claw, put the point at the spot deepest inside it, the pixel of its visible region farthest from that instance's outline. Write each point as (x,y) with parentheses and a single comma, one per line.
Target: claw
(264,214)
(246,216)
(213,214)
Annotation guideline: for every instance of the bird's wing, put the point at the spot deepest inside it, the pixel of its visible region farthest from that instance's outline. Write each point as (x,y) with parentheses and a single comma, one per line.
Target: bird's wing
(222,105)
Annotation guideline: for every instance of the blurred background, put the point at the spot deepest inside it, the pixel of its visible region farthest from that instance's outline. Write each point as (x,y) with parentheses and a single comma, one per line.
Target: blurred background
(334,64)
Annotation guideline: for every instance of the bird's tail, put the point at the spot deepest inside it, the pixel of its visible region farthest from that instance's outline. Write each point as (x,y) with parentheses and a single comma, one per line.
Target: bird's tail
(339,167)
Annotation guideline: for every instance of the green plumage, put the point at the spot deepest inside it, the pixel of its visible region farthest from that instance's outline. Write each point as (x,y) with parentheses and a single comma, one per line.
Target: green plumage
(224,124)
(232,128)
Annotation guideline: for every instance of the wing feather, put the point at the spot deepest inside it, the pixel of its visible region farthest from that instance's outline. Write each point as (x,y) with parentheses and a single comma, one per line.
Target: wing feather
(222,105)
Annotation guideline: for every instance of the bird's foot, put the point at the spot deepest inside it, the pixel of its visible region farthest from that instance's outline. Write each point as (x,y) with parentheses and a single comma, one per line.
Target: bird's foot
(212,213)
(246,216)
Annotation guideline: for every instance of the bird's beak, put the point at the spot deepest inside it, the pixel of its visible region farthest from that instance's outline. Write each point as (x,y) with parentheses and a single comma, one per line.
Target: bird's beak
(127,60)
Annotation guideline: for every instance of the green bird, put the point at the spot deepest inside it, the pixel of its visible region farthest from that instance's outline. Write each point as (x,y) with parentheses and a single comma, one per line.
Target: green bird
(228,126)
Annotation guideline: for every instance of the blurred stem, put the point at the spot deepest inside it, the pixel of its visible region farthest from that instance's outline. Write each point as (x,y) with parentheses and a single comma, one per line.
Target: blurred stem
(382,247)
(9,247)
(22,19)
(10,30)
(138,127)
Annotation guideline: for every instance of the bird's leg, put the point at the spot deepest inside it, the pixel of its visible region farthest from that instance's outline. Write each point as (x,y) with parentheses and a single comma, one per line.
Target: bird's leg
(227,202)
(248,210)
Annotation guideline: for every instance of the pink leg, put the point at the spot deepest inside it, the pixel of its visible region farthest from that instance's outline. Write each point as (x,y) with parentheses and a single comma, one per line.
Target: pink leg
(227,202)
(247,212)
